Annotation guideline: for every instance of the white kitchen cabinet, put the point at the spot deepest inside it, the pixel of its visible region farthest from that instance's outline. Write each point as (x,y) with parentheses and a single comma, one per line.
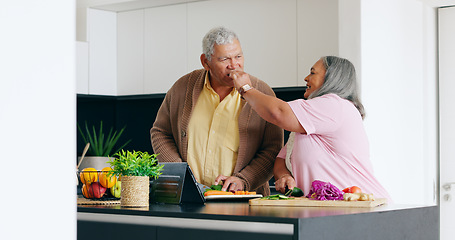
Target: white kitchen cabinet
(267,33)
(165,47)
(82,67)
(151,48)
(102,39)
(130,52)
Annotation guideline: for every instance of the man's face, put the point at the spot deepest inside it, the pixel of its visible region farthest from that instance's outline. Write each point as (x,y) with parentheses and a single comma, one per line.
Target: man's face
(225,58)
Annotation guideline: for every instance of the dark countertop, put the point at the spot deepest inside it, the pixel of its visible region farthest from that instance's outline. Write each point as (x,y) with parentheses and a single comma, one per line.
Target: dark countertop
(293,222)
(237,210)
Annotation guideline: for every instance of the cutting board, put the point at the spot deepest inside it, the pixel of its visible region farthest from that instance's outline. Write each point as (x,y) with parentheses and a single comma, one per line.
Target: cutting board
(305,202)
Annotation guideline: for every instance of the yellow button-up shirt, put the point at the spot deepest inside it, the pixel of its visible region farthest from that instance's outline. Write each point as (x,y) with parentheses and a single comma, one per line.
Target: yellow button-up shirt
(213,134)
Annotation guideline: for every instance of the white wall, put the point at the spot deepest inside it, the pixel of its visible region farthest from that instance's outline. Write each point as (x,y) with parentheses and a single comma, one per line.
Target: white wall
(38,120)
(349,23)
(315,38)
(398,91)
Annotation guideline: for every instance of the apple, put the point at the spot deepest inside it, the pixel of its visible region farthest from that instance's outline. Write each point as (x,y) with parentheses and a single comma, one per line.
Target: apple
(116,189)
(97,190)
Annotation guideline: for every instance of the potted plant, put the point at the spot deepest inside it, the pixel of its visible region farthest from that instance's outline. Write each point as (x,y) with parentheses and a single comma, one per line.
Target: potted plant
(135,169)
(101,145)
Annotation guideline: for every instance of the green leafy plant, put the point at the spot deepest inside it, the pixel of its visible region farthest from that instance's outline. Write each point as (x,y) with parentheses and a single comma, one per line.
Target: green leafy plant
(100,144)
(135,163)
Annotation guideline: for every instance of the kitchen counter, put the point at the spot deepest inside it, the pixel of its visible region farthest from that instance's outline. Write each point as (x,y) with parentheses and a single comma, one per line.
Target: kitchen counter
(237,220)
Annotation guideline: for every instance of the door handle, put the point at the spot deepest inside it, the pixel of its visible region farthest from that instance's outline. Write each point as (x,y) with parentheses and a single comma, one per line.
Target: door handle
(448,186)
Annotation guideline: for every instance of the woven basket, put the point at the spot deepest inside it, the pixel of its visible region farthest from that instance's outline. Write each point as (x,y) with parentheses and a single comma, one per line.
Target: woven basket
(135,191)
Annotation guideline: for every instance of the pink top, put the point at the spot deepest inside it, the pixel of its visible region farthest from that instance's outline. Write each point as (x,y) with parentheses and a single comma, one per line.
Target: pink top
(335,148)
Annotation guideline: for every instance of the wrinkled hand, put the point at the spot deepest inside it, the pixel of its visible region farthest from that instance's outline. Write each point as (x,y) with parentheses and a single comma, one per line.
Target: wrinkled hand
(240,78)
(283,182)
(230,183)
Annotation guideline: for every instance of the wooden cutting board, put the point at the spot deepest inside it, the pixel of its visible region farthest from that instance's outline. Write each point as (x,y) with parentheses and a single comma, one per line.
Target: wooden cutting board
(305,202)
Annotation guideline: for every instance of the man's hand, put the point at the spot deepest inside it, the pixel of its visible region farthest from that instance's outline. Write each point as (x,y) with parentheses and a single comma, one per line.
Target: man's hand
(230,183)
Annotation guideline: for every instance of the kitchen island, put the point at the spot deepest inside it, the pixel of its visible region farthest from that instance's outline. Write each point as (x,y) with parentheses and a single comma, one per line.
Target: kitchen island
(237,220)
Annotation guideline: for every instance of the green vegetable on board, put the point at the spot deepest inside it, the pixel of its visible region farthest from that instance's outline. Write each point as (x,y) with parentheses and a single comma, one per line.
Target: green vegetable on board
(217,187)
(295,192)
(214,187)
(276,197)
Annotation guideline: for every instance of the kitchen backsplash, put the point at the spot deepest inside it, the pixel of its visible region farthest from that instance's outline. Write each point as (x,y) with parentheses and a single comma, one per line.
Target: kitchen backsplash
(137,113)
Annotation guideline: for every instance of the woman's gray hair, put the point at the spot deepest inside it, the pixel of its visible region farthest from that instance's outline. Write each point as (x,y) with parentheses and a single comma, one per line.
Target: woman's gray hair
(340,79)
(219,36)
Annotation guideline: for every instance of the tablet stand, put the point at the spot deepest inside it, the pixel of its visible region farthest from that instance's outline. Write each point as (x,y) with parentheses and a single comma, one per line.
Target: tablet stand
(176,185)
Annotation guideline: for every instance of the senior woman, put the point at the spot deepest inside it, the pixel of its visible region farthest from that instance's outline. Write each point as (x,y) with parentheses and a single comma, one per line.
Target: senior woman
(327,141)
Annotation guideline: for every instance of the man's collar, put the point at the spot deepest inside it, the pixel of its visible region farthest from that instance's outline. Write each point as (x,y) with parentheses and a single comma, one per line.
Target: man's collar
(209,87)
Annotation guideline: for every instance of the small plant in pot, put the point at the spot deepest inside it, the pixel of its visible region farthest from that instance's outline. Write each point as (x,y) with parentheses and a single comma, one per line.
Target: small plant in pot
(135,169)
(101,145)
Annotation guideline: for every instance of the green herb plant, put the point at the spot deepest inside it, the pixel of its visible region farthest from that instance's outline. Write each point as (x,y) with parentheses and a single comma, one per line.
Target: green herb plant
(135,163)
(100,144)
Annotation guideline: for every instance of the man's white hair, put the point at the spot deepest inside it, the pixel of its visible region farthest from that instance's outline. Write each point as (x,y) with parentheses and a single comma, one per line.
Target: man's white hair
(219,36)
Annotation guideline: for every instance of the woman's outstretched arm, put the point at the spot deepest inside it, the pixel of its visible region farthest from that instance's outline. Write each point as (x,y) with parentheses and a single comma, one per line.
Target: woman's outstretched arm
(271,109)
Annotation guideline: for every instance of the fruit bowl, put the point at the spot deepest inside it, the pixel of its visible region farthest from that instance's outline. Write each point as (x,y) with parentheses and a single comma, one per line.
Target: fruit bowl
(99,185)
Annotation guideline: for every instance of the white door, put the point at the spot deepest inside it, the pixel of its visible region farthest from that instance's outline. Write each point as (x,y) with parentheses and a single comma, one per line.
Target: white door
(447,120)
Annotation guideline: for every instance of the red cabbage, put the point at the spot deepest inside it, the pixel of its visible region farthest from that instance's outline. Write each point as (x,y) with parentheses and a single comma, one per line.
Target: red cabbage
(324,191)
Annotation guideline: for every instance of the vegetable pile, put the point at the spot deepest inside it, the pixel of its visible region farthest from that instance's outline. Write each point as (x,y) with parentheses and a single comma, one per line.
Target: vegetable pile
(324,191)
(354,193)
(216,190)
(353,189)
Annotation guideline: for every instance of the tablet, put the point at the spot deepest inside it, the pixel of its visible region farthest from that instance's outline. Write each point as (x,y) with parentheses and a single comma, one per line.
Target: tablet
(176,185)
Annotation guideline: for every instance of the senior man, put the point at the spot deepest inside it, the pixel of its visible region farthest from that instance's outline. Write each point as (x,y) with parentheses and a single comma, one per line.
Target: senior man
(205,122)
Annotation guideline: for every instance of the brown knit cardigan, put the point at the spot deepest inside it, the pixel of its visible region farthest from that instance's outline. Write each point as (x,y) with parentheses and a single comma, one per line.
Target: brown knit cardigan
(260,141)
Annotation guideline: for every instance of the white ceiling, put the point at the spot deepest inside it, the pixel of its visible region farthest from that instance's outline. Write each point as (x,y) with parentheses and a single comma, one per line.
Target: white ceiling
(439,3)
(128,5)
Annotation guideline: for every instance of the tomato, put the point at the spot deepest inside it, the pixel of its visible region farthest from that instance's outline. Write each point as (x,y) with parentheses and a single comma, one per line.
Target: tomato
(353,189)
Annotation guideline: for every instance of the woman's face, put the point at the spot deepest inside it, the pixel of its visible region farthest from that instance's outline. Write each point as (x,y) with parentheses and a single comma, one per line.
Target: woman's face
(315,79)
